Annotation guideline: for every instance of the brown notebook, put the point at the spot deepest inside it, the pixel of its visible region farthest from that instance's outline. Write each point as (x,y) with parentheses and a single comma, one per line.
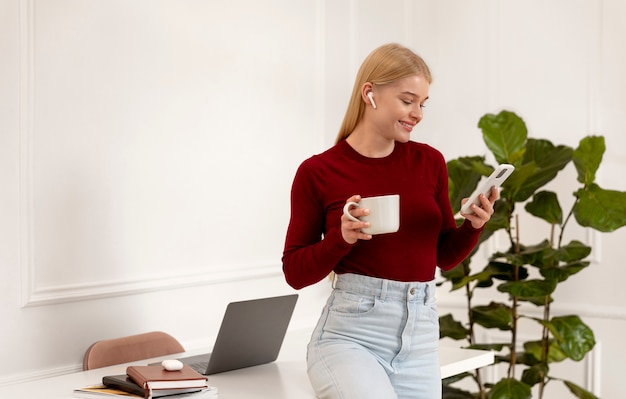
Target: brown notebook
(156,377)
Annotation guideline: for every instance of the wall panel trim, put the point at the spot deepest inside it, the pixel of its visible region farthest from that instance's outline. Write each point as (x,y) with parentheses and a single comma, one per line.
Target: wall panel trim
(107,289)
(33,295)
(581,309)
(37,375)
(26,117)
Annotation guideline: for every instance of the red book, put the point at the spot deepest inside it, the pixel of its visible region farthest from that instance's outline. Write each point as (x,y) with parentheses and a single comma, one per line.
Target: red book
(156,377)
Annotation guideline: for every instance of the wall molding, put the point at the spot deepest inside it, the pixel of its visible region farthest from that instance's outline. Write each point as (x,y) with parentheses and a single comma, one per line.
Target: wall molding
(594,75)
(38,375)
(593,369)
(33,295)
(106,289)
(601,312)
(25,133)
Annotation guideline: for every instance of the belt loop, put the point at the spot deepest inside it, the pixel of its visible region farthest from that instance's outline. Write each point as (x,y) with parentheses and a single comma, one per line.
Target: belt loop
(426,293)
(383,290)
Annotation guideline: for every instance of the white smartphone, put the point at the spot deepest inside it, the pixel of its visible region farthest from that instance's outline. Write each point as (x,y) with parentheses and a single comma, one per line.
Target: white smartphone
(496,179)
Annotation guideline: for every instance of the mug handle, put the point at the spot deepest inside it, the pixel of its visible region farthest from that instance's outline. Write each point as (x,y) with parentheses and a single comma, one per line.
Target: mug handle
(346,210)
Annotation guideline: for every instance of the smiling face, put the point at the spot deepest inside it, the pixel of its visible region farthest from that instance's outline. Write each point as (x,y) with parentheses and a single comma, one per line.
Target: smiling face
(399,107)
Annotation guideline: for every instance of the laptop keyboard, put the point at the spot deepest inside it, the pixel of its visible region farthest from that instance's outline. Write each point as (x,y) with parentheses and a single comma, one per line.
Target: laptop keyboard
(200,367)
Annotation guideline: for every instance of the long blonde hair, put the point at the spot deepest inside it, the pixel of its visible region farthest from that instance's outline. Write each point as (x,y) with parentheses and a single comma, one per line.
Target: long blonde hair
(385,64)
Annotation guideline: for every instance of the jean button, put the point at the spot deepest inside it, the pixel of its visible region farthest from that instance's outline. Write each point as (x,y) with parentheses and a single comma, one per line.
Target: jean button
(412,291)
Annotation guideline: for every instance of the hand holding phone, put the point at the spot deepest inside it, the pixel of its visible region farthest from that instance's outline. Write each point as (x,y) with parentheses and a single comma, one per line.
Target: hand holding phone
(496,179)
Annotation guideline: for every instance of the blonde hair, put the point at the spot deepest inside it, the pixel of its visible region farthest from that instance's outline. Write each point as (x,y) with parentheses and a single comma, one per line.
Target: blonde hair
(385,64)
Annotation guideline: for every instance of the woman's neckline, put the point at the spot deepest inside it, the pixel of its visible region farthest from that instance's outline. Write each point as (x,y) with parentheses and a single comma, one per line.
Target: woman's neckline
(353,153)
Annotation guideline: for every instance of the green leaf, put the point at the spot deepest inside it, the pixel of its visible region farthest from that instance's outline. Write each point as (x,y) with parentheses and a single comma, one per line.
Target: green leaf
(529,255)
(544,161)
(573,336)
(459,279)
(529,288)
(535,374)
(520,358)
(482,278)
(505,135)
(578,391)
(448,327)
(449,392)
(545,205)
(509,388)
(505,271)
(534,349)
(524,172)
(456,378)
(495,315)
(501,216)
(493,270)
(489,347)
(573,251)
(587,158)
(455,275)
(603,210)
(562,273)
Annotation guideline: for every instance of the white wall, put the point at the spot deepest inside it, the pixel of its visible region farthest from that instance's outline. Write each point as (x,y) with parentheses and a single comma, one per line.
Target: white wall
(147,149)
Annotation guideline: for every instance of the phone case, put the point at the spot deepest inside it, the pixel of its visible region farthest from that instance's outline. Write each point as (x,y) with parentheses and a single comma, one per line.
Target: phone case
(496,179)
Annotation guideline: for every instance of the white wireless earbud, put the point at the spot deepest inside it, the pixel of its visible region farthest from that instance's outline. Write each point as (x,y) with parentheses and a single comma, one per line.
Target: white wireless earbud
(371,97)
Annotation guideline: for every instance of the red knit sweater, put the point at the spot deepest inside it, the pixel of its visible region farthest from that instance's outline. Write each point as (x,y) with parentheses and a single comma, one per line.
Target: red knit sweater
(427,237)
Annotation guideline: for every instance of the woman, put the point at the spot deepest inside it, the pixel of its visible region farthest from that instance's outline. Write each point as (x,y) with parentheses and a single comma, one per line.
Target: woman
(378,334)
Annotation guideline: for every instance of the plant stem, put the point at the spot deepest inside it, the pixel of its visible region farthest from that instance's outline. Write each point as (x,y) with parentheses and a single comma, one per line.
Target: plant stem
(569,215)
(472,336)
(545,334)
(514,314)
(545,342)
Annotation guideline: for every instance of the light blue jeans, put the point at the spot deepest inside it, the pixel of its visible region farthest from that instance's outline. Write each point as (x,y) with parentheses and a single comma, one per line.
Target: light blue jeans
(376,339)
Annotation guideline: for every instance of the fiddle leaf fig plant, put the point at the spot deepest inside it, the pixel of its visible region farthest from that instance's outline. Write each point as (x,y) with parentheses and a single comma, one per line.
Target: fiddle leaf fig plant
(527,274)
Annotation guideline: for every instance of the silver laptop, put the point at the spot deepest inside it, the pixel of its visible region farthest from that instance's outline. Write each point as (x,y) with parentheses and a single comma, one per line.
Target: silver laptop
(251,334)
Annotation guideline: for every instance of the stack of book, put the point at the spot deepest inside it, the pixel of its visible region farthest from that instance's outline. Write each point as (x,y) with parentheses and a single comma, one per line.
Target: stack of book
(151,382)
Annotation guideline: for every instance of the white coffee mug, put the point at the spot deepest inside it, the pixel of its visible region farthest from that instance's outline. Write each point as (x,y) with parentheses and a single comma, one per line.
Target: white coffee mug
(384,216)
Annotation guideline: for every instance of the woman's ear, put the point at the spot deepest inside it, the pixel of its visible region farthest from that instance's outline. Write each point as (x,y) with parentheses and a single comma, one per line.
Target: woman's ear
(367,94)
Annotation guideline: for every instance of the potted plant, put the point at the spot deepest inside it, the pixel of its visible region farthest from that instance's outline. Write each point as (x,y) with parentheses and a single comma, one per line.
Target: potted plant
(527,274)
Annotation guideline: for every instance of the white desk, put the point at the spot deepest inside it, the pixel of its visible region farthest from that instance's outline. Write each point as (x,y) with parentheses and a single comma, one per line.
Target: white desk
(284,379)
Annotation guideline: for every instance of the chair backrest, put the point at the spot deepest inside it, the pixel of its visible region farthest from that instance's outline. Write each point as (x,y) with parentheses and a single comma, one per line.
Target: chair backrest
(128,349)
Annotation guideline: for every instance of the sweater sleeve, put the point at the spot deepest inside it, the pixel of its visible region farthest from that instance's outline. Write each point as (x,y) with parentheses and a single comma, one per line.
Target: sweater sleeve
(454,243)
(310,253)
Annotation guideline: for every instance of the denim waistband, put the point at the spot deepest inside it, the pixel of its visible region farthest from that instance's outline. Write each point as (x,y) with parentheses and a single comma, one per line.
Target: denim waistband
(385,289)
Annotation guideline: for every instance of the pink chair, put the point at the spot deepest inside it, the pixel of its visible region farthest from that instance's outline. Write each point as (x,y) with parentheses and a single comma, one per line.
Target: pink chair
(131,348)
